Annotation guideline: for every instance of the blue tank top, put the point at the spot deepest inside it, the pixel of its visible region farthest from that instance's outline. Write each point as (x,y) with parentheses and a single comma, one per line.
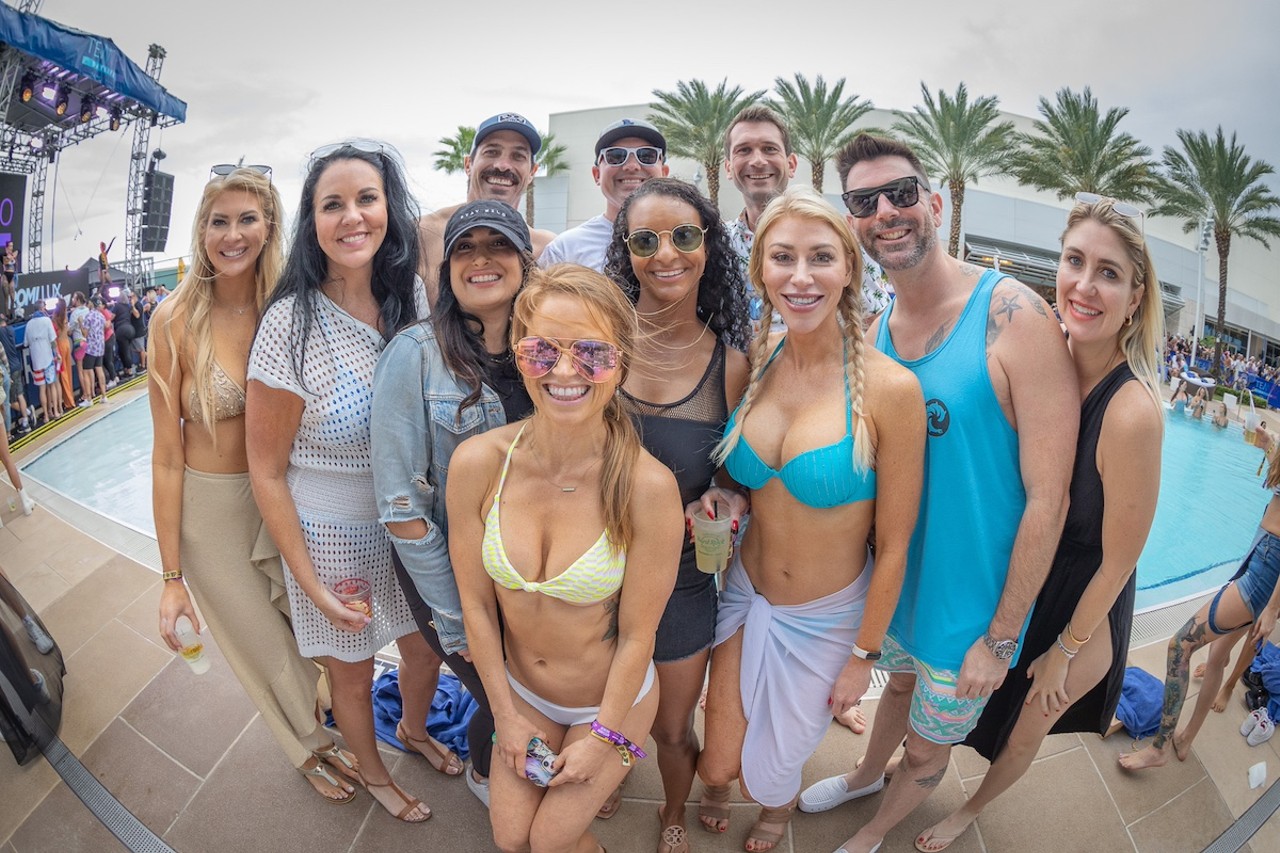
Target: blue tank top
(973,497)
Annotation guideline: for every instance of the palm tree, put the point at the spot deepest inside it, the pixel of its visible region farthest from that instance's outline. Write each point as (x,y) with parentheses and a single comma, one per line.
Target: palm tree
(958,142)
(449,158)
(694,119)
(1214,179)
(820,120)
(551,161)
(1077,149)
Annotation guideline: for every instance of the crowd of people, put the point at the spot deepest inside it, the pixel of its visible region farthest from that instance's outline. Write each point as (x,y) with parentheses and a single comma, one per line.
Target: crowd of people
(502,437)
(1240,372)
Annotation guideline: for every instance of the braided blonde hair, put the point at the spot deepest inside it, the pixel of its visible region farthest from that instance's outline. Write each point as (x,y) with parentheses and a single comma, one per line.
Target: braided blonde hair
(803,203)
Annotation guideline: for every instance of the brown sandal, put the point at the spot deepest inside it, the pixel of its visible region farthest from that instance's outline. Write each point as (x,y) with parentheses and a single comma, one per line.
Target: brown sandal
(772,837)
(340,760)
(411,803)
(714,806)
(320,771)
(439,756)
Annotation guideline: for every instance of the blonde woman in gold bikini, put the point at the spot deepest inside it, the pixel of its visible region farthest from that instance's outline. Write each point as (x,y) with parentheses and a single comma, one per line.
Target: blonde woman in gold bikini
(210,533)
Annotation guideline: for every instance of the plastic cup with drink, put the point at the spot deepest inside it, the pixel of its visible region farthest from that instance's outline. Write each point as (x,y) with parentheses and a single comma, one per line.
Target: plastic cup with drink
(712,538)
(356,594)
(192,646)
(1251,422)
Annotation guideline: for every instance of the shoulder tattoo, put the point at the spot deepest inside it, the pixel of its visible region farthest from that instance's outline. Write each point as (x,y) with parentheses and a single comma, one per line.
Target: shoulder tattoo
(1005,302)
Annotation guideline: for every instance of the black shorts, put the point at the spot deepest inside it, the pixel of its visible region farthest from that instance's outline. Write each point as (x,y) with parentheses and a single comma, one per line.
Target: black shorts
(89,362)
(688,623)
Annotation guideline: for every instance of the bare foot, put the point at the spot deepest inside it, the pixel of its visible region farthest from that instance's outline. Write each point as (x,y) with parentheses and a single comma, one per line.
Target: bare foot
(1144,758)
(853,719)
(1181,749)
(1220,701)
(1198,672)
(938,837)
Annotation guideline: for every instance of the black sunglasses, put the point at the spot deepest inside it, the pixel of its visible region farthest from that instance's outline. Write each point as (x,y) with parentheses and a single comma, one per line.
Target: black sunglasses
(222,170)
(645,242)
(646,155)
(901,193)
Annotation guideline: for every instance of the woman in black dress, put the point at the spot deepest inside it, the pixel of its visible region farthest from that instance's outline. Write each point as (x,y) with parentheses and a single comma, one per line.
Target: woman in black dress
(1073,657)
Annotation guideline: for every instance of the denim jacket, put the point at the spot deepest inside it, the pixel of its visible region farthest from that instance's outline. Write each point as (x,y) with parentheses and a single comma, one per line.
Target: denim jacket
(415,429)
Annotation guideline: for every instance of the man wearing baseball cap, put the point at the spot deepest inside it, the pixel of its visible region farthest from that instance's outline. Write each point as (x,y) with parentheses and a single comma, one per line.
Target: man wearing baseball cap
(499,168)
(628,153)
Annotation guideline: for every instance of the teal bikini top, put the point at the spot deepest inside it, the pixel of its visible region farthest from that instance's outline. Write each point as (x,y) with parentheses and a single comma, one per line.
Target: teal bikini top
(821,478)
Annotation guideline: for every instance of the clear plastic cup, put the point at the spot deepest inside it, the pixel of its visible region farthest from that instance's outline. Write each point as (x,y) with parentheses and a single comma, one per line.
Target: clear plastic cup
(192,646)
(711,541)
(355,593)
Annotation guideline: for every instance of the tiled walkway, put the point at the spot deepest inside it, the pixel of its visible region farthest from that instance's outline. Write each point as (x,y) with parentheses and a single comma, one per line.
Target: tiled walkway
(190,756)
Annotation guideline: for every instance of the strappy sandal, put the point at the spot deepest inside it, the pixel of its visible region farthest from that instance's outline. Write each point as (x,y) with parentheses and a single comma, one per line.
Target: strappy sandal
(714,806)
(340,760)
(439,756)
(411,803)
(320,771)
(674,838)
(610,807)
(771,837)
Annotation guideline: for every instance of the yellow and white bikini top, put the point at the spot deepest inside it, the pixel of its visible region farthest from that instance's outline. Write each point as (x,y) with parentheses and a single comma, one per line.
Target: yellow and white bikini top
(594,576)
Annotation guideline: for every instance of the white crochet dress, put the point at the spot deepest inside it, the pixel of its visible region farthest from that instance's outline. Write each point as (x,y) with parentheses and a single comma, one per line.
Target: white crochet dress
(330,474)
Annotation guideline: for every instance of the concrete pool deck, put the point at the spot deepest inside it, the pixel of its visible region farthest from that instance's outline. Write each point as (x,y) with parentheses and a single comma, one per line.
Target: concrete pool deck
(190,756)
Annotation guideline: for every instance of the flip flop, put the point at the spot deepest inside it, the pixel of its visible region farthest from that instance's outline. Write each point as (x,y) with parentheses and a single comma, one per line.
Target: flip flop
(610,807)
(936,843)
(439,756)
(320,771)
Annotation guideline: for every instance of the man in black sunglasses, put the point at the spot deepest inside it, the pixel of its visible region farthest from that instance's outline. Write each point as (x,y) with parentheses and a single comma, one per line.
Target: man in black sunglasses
(1003,411)
(499,168)
(628,153)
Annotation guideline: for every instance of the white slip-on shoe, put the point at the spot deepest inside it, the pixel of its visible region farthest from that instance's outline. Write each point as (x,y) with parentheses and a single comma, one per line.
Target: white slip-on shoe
(1262,732)
(480,789)
(831,792)
(1251,721)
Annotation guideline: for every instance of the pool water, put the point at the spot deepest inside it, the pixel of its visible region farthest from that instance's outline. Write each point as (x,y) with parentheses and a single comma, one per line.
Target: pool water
(1210,503)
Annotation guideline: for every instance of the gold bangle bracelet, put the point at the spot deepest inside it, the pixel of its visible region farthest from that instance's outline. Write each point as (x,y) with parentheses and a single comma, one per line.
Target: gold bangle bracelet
(1072,636)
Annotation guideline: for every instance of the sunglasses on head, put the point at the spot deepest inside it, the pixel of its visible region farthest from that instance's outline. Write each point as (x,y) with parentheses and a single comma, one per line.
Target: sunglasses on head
(595,361)
(646,155)
(901,193)
(1121,207)
(368,146)
(644,242)
(222,170)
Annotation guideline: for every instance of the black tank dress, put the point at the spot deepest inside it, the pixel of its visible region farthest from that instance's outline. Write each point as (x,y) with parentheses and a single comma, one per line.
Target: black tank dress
(1078,558)
(682,436)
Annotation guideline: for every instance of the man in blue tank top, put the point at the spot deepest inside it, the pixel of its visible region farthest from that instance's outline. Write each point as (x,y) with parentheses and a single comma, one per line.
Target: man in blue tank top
(1002,420)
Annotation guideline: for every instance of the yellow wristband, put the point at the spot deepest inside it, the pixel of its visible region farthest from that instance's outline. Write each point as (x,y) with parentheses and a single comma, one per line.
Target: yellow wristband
(171,576)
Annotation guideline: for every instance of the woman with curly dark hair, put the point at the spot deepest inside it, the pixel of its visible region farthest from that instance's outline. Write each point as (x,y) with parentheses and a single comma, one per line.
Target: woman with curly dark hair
(671,254)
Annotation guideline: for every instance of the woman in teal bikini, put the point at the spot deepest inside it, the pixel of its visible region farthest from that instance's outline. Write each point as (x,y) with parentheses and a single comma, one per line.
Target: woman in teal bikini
(565,526)
(828,441)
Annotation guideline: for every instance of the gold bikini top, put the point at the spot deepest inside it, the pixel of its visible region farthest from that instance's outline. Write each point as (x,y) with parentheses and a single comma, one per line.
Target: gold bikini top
(228,397)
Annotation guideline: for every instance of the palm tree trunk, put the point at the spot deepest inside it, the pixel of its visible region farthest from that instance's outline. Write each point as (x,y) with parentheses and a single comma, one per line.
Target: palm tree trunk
(1223,239)
(528,203)
(957,203)
(818,171)
(713,182)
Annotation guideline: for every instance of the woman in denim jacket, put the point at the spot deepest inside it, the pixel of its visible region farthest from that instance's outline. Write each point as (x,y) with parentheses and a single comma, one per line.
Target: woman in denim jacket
(461,361)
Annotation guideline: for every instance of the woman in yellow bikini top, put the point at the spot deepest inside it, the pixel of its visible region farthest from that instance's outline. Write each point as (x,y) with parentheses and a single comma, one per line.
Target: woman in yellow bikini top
(565,525)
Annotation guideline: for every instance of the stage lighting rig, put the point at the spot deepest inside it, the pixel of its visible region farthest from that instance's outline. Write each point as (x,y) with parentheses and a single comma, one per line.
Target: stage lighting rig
(88,106)
(62,100)
(28,87)
(116,116)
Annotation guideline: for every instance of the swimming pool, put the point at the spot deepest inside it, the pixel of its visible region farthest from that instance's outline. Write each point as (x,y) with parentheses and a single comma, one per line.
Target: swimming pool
(1209,507)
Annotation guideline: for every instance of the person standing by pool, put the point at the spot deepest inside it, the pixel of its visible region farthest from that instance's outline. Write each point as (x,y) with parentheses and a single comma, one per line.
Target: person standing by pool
(41,340)
(671,255)
(349,285)
(65,365)
(1003,412)
(1252,597)
(1078,641)
(200,471)
(804,608)
(461,360)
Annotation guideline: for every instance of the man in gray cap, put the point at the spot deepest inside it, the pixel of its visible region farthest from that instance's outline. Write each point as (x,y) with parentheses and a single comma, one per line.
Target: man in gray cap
(499,168)
(628,153)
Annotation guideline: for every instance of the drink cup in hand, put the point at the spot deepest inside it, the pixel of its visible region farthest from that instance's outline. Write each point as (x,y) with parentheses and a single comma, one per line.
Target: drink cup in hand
(192,646)
(711,541)
(356,594)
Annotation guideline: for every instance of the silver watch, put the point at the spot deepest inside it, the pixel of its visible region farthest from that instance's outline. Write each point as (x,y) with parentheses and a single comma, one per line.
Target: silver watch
(1000,649)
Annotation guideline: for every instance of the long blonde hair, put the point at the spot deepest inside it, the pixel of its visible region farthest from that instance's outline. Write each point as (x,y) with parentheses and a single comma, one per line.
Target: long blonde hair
(803,203)
(1142,340)
(606,303)
(193,300)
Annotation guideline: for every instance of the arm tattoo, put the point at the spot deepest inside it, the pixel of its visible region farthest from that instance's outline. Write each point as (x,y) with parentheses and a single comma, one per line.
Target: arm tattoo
(934,780)
(1008,304)
(971,270)
(936,339)
(611,609)
(1002,306)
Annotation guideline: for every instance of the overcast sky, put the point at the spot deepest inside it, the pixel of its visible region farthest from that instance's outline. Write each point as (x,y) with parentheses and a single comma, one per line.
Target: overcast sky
(272,79)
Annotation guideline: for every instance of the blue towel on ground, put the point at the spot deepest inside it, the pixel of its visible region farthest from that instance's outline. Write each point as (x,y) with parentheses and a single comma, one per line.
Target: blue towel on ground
(1141,700)
(451,711)
(1267,665)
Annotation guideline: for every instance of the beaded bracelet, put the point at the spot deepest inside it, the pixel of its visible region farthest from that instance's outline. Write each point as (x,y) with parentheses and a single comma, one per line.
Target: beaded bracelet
(1066,651)
(616,739)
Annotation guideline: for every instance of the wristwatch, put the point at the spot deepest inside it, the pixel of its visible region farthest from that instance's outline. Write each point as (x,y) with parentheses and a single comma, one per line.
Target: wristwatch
(864,654)
(1000,649)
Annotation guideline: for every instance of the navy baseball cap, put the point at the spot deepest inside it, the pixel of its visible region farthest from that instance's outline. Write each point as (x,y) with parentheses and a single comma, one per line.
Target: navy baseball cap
(508,121)
(626,127)
(498,215)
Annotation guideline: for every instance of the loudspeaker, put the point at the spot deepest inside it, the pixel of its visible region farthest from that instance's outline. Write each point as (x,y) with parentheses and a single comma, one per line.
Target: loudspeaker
(157,203)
